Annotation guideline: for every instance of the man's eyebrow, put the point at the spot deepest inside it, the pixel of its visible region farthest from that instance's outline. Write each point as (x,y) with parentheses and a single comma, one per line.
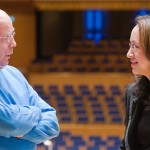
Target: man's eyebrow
(11,31)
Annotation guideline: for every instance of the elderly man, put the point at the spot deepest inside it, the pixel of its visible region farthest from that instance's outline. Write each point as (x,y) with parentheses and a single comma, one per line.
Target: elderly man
(25,119)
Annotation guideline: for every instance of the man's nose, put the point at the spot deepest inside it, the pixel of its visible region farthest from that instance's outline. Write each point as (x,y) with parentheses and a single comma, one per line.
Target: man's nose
(13,42)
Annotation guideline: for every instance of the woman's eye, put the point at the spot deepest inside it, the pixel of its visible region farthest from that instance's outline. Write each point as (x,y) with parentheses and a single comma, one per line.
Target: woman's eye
(136,46)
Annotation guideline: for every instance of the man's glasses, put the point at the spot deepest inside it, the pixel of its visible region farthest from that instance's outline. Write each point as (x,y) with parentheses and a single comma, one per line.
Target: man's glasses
(133,47)
(9,37)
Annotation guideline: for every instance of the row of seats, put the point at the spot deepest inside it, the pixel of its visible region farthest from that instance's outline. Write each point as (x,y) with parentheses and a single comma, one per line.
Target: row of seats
(82,63)
(113,47)
(85,105)
(86,56)
(68,141)
(82,89)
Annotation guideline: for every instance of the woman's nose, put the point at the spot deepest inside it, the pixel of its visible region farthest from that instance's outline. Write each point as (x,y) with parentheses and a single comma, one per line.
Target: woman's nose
(129,53)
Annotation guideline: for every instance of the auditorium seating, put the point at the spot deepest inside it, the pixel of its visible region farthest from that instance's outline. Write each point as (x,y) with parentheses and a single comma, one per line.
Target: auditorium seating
(70,141)
(90,108)
(95,63)
(85,105)
(85,56)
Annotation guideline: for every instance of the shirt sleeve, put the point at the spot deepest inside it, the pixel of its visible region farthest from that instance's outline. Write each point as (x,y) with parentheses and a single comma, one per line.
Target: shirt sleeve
(32,117)
(47,126)
(17,120)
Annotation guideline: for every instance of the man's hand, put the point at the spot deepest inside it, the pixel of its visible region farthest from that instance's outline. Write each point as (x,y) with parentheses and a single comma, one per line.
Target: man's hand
(19,136)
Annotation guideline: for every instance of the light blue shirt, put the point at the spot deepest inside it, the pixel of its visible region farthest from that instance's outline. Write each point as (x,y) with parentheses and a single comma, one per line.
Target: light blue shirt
(23,112)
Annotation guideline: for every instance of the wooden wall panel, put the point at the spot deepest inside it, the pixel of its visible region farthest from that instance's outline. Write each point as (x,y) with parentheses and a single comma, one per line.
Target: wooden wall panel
(25,26)
(91,4)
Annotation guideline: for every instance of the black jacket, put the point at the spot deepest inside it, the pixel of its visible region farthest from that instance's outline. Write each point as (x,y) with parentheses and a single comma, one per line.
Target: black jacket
(133,111)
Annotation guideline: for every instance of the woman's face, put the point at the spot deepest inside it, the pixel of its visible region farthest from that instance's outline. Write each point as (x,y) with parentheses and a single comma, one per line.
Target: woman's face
(139,63)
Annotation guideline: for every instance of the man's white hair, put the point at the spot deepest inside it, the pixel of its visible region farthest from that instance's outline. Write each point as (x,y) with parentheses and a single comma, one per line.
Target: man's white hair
(3,16)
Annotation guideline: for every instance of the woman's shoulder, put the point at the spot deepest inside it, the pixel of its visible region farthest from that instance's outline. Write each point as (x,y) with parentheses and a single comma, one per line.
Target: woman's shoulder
(130,87)
(129,92)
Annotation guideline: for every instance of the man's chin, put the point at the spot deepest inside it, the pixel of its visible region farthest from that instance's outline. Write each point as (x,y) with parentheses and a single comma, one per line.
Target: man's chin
(2,66)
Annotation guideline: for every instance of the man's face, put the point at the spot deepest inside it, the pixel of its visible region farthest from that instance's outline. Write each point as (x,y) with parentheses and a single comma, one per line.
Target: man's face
(7,42)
